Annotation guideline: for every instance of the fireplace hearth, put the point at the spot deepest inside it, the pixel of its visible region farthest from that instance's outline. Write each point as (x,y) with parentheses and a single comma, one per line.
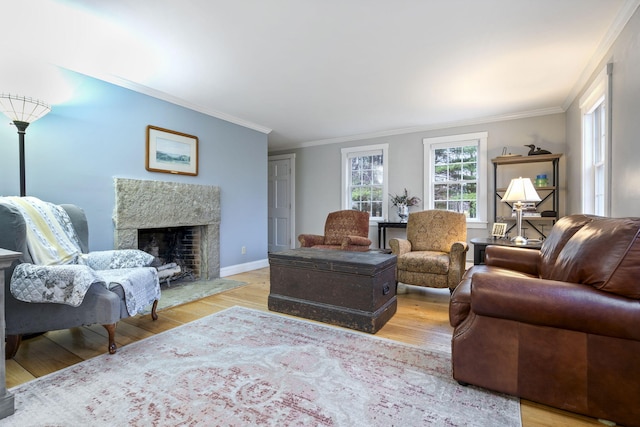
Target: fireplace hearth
(152,205)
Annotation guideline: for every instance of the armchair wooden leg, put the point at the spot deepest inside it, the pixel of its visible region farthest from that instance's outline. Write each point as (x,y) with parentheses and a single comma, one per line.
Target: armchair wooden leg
(11,346)
(111,330)
(154,314)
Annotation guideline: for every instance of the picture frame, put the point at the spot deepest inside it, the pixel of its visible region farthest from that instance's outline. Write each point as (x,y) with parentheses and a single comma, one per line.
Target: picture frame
(173,152)
(499,229)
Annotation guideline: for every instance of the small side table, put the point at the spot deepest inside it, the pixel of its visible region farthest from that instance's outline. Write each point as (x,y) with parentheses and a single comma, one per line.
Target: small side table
(480,246)
(382,231)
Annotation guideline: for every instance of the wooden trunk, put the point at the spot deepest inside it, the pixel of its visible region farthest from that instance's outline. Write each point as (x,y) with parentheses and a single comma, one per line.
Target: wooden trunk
(356,290)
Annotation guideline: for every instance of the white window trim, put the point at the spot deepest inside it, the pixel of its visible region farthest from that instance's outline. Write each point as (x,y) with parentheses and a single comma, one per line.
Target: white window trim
(440,141)
(363,150)
(599,91)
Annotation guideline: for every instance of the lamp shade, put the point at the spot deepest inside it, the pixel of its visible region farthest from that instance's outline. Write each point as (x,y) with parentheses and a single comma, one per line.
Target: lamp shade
(521,190)
(22,108)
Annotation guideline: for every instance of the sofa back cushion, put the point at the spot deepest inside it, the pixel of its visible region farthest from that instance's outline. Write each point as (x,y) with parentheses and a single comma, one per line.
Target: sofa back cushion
(603,253)
(436,230)
(560,234)
(341,224)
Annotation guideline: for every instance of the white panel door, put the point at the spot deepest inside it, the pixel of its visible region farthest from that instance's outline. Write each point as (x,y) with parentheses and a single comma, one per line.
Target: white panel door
(280,195)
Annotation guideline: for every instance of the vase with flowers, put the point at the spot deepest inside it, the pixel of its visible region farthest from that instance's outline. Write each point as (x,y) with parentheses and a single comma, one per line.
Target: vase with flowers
(403,201)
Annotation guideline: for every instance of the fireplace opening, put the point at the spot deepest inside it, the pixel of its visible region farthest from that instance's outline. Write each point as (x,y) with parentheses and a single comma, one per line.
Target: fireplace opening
(176,251)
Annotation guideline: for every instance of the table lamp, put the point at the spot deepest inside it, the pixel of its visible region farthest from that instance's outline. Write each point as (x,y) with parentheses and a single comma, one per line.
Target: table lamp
(520,190)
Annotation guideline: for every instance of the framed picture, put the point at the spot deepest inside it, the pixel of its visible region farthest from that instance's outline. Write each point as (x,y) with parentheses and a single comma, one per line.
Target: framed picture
(499,229)
(169,151)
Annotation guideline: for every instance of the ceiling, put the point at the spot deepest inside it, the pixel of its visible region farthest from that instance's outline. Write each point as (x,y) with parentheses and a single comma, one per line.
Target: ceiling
(310,72)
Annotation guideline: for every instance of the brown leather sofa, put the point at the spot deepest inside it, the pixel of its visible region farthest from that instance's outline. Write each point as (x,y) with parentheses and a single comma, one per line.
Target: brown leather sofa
(559,326)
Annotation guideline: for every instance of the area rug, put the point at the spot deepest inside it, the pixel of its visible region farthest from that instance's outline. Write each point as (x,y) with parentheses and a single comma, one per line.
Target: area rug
(186,291)
(242,367)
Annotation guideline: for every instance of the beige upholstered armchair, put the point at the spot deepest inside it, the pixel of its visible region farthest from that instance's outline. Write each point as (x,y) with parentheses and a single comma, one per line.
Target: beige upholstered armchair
(346,230)
(433,254)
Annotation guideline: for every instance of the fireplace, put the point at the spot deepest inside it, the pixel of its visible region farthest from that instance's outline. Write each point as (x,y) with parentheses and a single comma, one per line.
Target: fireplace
(176,251)
(157,205)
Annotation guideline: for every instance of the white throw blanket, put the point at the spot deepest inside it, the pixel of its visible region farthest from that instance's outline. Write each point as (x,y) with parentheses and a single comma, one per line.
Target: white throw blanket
(51,238)
(62,274)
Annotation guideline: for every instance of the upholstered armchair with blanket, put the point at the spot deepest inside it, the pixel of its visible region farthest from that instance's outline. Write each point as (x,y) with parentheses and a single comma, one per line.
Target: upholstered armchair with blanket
(57,283)
(433,254)
(346,230)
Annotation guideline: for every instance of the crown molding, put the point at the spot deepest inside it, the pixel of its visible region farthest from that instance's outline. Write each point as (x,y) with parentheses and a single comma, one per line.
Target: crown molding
(145,90)
(437,126)
(624,15)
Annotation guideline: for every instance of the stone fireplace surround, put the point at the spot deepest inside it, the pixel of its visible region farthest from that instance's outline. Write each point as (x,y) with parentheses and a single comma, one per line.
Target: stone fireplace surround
(142,204)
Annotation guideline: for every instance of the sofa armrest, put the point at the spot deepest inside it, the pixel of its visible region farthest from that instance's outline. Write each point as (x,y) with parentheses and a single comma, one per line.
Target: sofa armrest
(400,246)
(117,258)
(356,241)
(457,263)
(513,258)
(309,240)
(555,304)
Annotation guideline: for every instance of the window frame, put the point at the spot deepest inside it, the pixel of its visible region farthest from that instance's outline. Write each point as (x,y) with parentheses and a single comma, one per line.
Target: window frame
(594,105)
(350,152)
(480,140)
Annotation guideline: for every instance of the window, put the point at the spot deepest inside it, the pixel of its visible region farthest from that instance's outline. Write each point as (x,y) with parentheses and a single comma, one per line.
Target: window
(364,180)
(455,175)
(595,146)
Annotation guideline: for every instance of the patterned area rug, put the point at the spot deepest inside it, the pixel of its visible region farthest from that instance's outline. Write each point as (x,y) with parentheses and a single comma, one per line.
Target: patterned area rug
(242,367)
(183,292)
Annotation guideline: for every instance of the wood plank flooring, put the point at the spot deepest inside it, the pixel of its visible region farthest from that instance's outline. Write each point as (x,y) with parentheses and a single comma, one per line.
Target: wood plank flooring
(422,318)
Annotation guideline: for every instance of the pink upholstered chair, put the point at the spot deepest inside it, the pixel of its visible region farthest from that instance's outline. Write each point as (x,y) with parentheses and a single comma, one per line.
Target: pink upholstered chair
(433,254)
(346,230)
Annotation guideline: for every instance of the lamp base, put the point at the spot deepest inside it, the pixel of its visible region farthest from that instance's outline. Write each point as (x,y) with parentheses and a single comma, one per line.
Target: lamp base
(519,240)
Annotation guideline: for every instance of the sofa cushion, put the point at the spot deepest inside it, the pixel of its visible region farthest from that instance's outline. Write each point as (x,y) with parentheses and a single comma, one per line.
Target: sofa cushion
(560,234)
(345,223)
(604,253)
(424,262)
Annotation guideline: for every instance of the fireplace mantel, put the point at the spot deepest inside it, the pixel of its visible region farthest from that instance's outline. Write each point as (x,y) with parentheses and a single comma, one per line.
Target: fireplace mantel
(144,204)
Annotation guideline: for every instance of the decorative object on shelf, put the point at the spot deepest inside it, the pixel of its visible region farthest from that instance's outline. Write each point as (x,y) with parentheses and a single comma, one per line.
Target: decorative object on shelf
(541,180)
(171,152)
(23,111)
(520,190)
(499,229)
(505,154)
(533,150)
(403,202)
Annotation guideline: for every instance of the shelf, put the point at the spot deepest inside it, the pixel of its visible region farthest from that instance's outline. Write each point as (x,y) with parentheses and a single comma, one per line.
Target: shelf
(527,218)
(513,160)
(550,194)
(502,190)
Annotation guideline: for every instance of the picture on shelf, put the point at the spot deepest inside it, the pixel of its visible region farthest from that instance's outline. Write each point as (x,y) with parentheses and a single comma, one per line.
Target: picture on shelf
(499,229)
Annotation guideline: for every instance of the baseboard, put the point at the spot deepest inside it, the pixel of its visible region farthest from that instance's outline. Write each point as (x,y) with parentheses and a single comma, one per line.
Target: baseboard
(242,268)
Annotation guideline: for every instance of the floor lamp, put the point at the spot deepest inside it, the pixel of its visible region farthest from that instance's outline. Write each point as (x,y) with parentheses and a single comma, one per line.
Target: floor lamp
(520,190)
(23,111)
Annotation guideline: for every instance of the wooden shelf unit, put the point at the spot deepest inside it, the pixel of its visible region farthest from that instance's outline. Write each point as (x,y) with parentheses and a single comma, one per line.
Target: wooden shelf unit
(549,194)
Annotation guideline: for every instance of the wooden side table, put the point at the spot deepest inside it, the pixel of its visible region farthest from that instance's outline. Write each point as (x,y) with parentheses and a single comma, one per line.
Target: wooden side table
(480,246)
(382,231)
(6,399)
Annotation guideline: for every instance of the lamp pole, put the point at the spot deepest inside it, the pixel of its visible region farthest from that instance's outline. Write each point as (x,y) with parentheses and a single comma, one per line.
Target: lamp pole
(22,128)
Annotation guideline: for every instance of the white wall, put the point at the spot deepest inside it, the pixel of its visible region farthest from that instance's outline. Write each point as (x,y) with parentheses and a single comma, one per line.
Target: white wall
(625,170)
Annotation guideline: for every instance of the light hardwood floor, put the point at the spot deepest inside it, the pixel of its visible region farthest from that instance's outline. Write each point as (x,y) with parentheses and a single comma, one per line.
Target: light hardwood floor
(421,319)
